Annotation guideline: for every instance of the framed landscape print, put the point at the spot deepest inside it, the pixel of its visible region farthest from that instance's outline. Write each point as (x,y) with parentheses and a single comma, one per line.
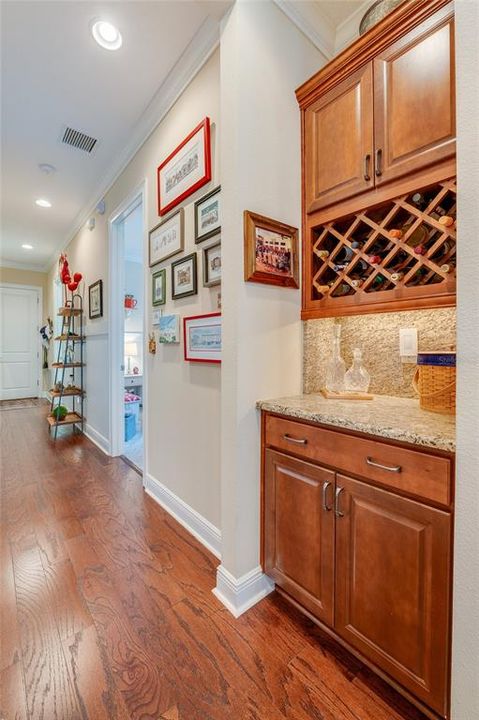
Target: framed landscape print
(212,265)
(202,338)
(208,215)
(186,169)
(158,287)
(167,238)
(95,300)
(270,251)
(169,331)
(184,277)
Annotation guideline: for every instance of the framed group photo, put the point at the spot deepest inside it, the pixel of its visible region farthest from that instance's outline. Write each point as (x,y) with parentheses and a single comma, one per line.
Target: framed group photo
(270,251)
(208,215)
(167,238)
(203,338)
(186,169)
(184,277)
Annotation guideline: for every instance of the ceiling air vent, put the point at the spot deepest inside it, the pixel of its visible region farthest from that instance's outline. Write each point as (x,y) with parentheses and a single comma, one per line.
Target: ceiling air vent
(78,140)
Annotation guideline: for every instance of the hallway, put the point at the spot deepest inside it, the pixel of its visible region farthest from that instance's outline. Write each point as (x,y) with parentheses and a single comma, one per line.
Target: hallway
(107,610)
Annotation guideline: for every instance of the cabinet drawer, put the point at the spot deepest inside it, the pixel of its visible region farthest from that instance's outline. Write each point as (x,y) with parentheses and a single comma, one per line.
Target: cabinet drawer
(420,474)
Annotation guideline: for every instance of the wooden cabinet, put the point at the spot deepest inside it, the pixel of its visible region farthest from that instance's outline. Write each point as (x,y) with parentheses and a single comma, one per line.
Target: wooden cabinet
(299,546)
(339,138)
(368,556)
(414,100)
(392,570)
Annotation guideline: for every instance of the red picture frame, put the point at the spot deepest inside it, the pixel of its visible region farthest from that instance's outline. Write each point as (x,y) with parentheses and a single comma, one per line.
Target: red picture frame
(176,173)
(210,355)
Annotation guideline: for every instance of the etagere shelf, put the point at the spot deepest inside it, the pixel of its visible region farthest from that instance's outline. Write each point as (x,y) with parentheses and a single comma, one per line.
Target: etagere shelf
(71,342)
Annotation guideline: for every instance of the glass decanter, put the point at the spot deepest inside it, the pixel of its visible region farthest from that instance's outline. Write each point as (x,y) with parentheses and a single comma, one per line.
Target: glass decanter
(357,378)
(337,367)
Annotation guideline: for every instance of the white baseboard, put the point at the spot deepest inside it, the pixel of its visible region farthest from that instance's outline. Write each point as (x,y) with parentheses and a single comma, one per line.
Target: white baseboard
(196,524)
(240,594)
(97,438)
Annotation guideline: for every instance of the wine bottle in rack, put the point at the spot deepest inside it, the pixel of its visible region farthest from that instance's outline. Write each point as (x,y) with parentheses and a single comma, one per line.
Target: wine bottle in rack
(343,258)
(418,276)
(419,201)
(323,254)
(377,253)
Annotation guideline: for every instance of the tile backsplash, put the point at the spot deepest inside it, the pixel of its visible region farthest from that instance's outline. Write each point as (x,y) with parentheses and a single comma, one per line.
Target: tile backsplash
(378,337)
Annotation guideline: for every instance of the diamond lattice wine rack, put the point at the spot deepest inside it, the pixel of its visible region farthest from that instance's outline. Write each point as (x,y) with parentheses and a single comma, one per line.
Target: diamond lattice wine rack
(400,254)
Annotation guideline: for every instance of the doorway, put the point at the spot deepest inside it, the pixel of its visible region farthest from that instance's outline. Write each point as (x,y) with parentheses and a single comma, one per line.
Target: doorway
(20,320)
(127,331)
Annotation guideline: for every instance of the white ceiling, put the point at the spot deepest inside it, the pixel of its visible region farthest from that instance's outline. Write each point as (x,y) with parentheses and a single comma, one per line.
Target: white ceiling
(54,74)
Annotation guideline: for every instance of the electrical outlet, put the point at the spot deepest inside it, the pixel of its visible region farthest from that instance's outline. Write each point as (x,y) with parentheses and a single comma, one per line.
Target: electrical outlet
(408,345)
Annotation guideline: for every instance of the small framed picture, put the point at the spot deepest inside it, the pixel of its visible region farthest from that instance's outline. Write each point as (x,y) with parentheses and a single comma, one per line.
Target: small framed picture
(95,300)
(184,277)
(158,287)
(155,317)
(169,331)
(167,238)
(208,215)
(186,169)
(270,251)
(202,337)
(212,265)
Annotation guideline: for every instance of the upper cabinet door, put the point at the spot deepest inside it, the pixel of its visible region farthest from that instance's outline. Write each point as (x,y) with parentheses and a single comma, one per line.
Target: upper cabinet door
(414,99)
(299,531)
(338,142)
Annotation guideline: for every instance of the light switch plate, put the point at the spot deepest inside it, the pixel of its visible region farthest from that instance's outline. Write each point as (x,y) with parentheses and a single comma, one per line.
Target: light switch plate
(408,345)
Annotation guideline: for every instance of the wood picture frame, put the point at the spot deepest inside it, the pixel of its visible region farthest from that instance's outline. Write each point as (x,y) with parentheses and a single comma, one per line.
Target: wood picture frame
(270,251)
(184,280)
(208,215)
(158,287)
(186,169)
(167,238)
(212,264)
(203,338)
(95,300)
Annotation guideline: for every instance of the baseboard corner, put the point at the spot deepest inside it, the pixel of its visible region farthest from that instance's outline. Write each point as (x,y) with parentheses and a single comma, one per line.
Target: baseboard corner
(240,594)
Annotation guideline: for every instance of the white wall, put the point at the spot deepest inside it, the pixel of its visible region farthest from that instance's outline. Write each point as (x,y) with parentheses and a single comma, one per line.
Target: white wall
(465,665)
(263,59)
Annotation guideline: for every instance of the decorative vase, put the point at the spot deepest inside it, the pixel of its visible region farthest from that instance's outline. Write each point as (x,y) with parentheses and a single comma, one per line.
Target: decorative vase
(376,12)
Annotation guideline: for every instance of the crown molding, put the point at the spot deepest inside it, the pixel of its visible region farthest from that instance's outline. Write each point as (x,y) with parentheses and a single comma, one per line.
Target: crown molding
(321,34)
(195,55)
(11,264)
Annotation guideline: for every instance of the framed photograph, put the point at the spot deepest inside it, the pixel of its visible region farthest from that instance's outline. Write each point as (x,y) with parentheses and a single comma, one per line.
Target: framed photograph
(202,337)
(186,169)
(169,331)
(270,251)
(166,238)
(155,317)
(208,215)
(212,265)
(184,277)
(158,287)
(95,300)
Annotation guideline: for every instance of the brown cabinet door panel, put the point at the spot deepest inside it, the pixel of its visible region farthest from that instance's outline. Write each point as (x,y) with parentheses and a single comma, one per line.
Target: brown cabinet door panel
(392,586)
(339,142)
(414,100)
(299,531)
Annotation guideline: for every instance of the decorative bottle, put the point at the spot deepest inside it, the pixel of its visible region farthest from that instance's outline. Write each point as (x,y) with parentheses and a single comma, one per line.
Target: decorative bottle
(337,367)
(357,378)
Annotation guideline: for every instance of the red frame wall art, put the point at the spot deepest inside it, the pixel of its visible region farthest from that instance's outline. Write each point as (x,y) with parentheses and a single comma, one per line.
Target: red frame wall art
(209,327)
(186,169)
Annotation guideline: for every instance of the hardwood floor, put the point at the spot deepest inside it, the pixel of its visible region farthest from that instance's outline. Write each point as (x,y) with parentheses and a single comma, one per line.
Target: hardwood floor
(107,610)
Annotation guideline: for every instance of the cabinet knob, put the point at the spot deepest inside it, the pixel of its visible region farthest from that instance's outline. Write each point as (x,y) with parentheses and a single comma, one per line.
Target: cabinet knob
(389,468)
(326,507)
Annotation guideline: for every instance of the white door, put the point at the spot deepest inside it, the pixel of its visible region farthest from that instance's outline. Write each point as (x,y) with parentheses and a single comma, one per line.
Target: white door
(18,343)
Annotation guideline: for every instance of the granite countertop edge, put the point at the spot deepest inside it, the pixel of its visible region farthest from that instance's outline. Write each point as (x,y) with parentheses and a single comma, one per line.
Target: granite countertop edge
(430,440)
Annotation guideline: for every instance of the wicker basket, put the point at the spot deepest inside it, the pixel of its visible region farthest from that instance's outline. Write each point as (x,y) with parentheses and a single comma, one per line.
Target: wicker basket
(435,382)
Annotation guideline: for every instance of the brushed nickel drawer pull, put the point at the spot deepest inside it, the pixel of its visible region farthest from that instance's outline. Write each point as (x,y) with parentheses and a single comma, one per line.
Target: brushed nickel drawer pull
(298,441)
(337,511)
(326,485)
(367,176)
(379,154)
(389,468)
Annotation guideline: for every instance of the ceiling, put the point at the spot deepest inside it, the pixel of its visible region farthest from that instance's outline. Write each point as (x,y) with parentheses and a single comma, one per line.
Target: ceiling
(54,75)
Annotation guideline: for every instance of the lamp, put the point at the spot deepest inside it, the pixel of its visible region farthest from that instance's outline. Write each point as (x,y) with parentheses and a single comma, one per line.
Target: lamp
(131,350)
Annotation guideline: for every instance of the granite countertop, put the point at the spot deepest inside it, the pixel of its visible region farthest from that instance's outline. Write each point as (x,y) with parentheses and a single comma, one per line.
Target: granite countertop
(384,416)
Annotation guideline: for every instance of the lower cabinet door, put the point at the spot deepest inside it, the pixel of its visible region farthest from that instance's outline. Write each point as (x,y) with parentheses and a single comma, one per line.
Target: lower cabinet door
(392,586)
(299,531)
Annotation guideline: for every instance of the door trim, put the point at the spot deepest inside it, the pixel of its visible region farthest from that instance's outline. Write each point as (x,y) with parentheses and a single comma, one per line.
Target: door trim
(116,320)
(39,290)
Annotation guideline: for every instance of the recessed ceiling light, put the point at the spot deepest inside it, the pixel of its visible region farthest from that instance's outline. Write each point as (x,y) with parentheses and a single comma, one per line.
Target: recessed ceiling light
(46,168)
(41,202)
(106,35)
(26,246)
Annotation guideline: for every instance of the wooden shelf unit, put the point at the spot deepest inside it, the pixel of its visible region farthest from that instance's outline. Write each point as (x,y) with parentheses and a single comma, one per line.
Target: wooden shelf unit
(71,419)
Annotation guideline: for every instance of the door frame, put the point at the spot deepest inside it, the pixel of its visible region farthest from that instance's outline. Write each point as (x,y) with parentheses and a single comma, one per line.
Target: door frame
(39,290)
(116,319)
